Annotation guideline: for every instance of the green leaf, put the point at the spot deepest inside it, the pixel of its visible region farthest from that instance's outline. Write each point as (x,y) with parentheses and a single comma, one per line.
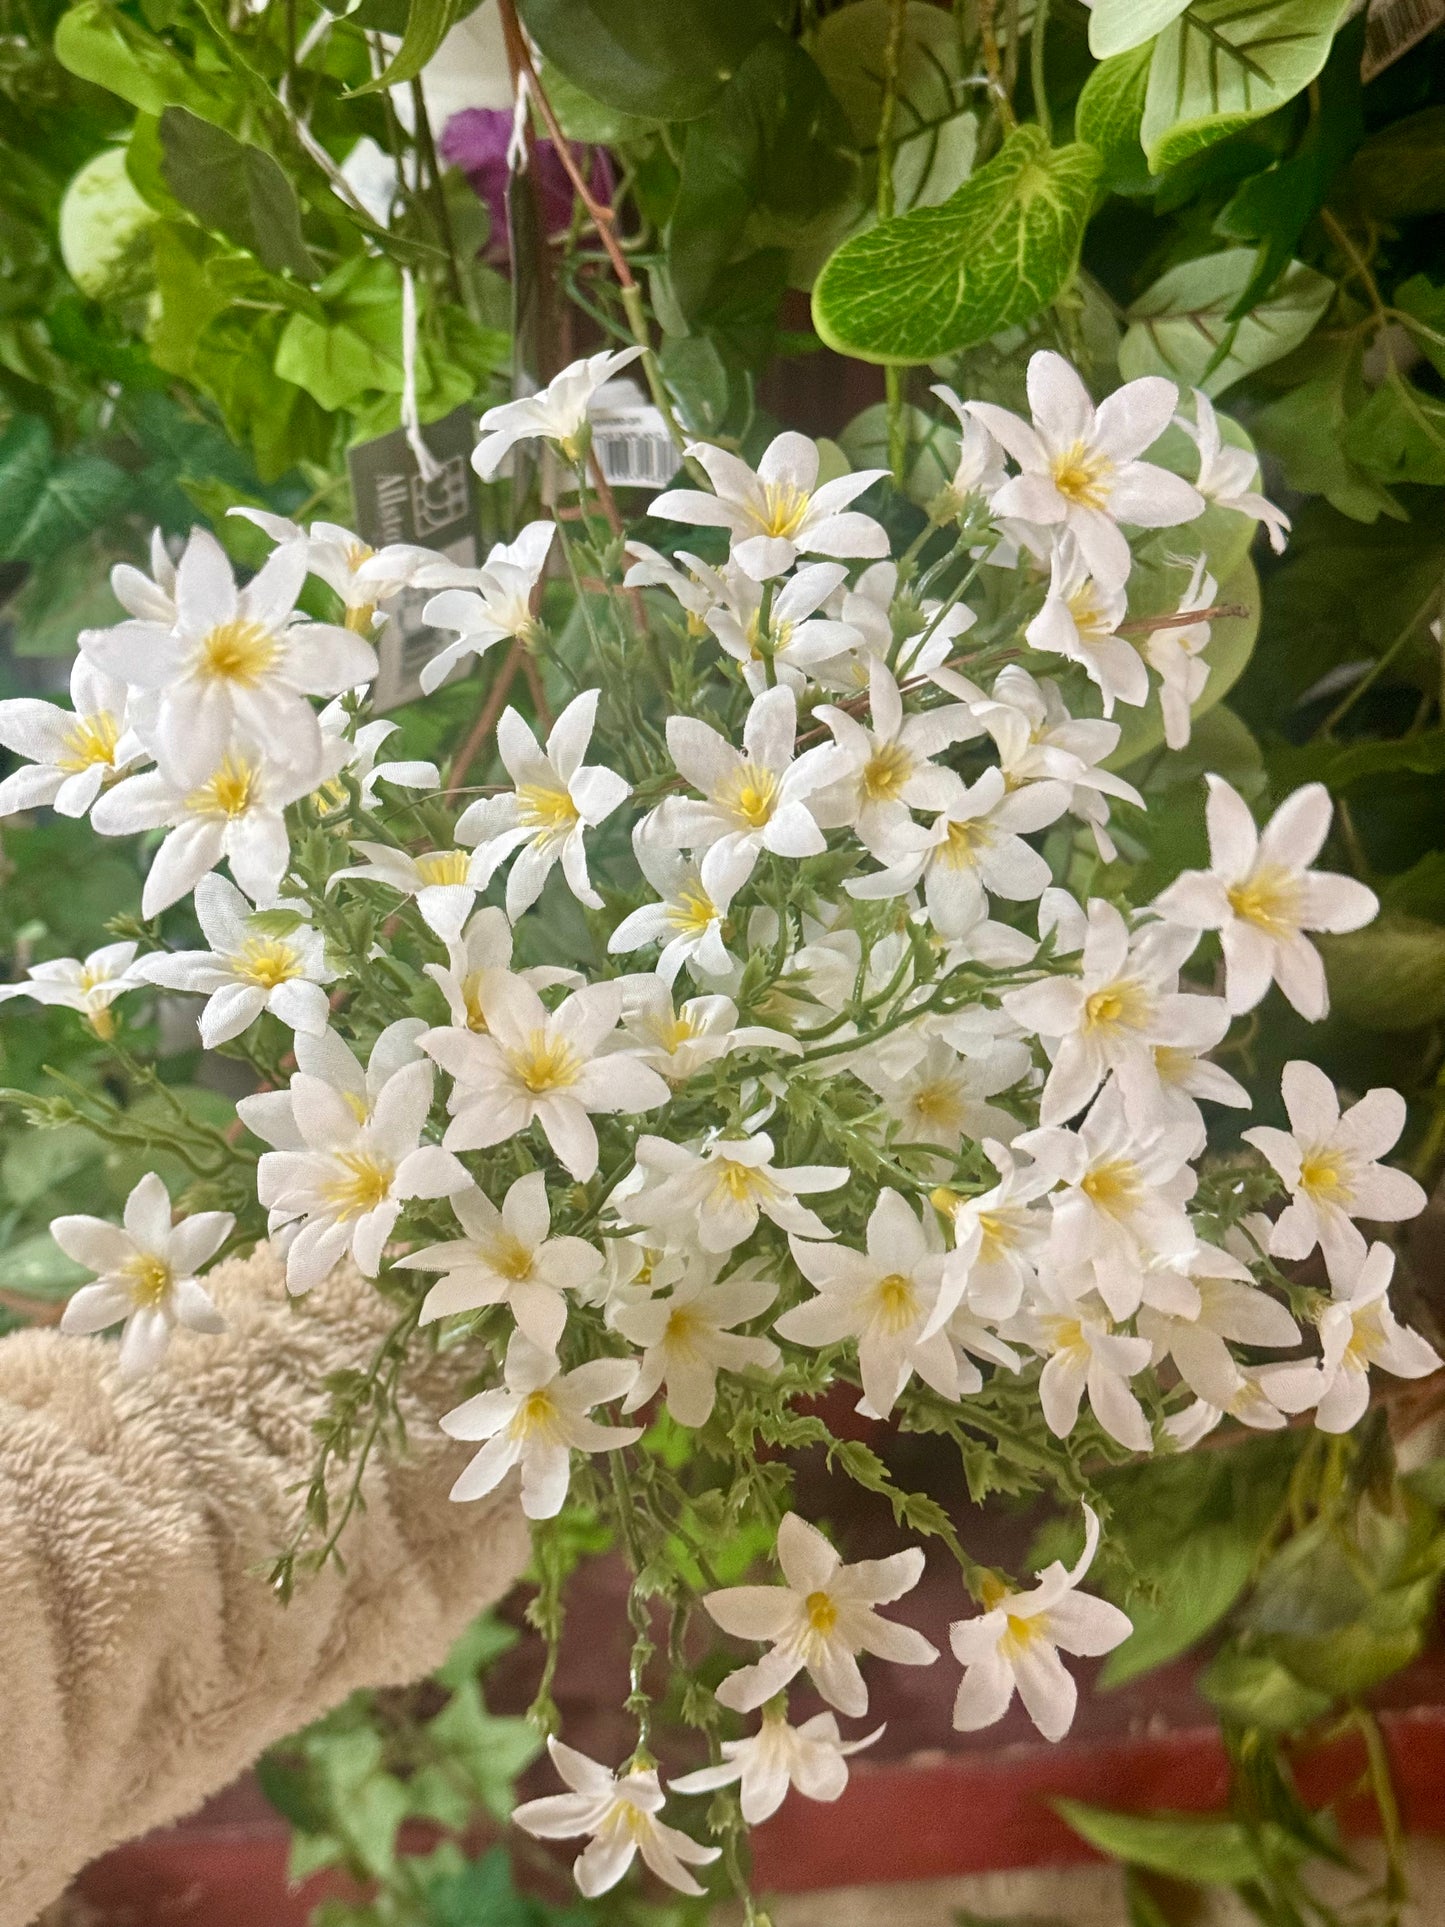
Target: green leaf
(934,131)
(1225,63)
(101,218)
(41,1161)
(1399,434)
(775,145)
(941,279)
(357,345)
(36,1267)
(428,22)
(1255,1689)
(236,189)
(664,62)
(1390,976)
(1400,171)
(1422,310)
(1119,26)
(99,43)
(1213,1852)
(1181,326)
(1304,431)
(45,505)
(930,448)
(1109,115)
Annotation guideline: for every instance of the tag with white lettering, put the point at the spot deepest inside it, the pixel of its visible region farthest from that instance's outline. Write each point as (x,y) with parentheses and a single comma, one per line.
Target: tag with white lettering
(394,504)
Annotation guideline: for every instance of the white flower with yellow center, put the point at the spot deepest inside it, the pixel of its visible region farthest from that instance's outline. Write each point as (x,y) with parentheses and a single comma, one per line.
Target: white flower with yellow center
(510,1258)
(1013,1645)
(1261,895)
(327,1056)
(1227,1308)
(535,1419)
(486,944)
(71,753)
(359,754)
(444,884)
(789,642)
(1080,464)
(687,1338)
(258,960)
(779,512)
(1175,652)
(146,1273)
(1357,1330)
(1110,1018)
(884,1298)
(233,660)
(1084,1353)
(819,1620)
(887,770)
(812,1757)
(999,1237)
(236,813)
(1119,1205)
(1228,474)
(530,1065)
(555,799)
(754,798)
(363,578)
(715,1196)
(557,413)
(975,845)
(1080,620)
(677,1040)
(939,1097)
(619,1811)
(488,605)
(696,586)
(343,1191)
(1328,1162)
(89,986)
(690,919)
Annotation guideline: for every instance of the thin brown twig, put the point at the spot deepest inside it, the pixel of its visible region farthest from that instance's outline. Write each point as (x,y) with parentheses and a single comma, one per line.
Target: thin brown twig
(486,720)
(1182,618)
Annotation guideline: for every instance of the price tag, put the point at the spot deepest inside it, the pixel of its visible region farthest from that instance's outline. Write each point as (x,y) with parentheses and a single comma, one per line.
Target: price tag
(631,440)
(394,504)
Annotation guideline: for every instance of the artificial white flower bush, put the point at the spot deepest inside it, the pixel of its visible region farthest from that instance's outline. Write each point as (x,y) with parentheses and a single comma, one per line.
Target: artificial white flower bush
(865,1070)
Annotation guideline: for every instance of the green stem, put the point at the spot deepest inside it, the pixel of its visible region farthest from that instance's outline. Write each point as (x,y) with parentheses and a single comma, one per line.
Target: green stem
(1037,71)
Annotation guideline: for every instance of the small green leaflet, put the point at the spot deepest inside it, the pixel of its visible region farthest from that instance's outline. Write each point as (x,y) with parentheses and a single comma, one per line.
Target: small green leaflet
(1110,113)
(1224,63)
(939,279)
(1181,328)
(234,189)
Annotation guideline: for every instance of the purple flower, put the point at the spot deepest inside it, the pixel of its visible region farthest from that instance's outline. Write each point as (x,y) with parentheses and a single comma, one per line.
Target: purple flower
(476,141)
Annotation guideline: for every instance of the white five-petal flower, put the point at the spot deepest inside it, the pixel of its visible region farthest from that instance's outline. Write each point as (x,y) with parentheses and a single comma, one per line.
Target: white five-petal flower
(90,987)
(716,1195)
(687,1338)
(557,413)
(71,754)
(1357,1330)
(619,1811)
(812,1757)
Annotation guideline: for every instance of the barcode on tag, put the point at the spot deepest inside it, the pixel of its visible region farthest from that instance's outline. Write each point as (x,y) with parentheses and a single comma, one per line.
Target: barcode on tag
(1393,28)
(630,438)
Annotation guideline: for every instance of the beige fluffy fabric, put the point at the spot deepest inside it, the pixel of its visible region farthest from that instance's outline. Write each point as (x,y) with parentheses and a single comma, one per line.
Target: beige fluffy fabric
(146,1660)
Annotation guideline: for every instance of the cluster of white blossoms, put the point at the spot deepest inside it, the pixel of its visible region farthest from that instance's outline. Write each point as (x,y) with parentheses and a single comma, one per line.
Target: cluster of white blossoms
(879,1098)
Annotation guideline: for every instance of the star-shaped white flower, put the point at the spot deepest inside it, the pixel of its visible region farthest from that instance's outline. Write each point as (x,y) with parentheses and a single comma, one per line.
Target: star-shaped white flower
(1261,895)
(795,638)
(778,513)
(557,413)
(619,1811)
(534,1064)
(1080,464)
(508,1257)
(248,968)
(1228,474)
(887,770)
(812,1757)
(717,1194)
(1176,654)
(1229,1308)
(71,754)
(1013,1645)
(1080,620)
(358,759)
(1000,1237)
(695,897)
(494,603)
(1329,1165)
(687,1338)
(486,944)
(1357,1330)
(1085,1353)
(821,1617)
(327,1057)
(555,799)
(677,1040)
(362,578)
(444,884)
(147,1273)
(90,987)
(536,1419)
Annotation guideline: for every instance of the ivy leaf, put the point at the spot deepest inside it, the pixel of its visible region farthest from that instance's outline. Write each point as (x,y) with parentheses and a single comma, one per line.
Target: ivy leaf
(1118,26)
(45,505)
(940,279)
(1255,1689)
(1224,63)
(356,345)
(1181,327)
(663,62)
(236,189)
(1109,115)
(99,43)
(1399,434)
(428,22)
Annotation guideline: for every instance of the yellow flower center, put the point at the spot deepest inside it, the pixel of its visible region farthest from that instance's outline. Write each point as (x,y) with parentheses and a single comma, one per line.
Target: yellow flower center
(1021,1632)
(1114,1186)
(550,812)
(510,1257)
(938,1106)
(90,740)
(1366,1339)
(546,1063)
(741,1181)
(750,794)
(693,911)
(960,848)
(783,510)
(359,617)
(671,1033)
(363,1183)
(1272,899)
(1172,1064)
(822,1613)
(266,962)
(1325,1175)
(328,796)
(998,1235)
(885,773)
(1122,1005)
(231,791)
(1081,476)
(238,651)
(681,1332)
(536,1417)
(896,1301)
(471,989)
(443,866)
(1066,1334)
(149,1279)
